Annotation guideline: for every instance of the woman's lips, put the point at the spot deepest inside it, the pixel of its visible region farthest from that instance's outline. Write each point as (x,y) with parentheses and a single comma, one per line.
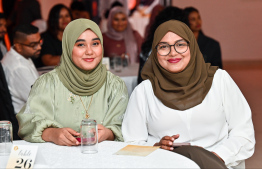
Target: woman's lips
(88,59)
(174,60)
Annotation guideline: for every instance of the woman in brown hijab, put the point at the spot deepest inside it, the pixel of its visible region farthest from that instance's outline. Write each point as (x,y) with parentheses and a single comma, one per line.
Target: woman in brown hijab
(185,100)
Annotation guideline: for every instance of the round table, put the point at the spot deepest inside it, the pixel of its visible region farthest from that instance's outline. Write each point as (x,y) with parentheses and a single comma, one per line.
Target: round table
(50,155)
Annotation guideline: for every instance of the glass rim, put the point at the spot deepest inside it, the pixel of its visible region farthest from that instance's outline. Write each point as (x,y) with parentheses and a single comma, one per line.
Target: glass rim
(5,122)
(88,121)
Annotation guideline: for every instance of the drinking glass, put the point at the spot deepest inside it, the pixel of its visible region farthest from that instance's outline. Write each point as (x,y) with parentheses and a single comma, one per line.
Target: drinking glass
(118,63)
(125,60)
(112,64)
(6,137)
(89,137)
(112,60)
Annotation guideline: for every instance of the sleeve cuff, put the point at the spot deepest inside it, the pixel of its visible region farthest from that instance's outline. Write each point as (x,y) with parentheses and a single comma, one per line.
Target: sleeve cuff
(117,132)
(36,135)
(224,153)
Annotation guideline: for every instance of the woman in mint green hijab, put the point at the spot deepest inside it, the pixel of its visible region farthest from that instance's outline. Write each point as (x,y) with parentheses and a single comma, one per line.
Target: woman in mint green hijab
(80,87)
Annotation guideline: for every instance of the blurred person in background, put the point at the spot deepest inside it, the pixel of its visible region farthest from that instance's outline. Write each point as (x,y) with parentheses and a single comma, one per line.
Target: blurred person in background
(209,47)
(25,12)
(103,22)
(78,10)
(166,14)
(59,17)
(19,69)
(40,24)
(155,11)
(22,12)
(120,38)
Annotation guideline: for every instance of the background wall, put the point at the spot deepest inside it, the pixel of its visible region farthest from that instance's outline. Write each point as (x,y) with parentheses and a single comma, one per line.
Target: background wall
(236,24)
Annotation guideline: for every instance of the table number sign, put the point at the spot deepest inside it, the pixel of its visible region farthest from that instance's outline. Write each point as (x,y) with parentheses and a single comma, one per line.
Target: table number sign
(22,156)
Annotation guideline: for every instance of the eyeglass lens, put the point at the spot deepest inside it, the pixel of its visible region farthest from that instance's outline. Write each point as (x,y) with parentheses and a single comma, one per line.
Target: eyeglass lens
(35,45)
(164,48)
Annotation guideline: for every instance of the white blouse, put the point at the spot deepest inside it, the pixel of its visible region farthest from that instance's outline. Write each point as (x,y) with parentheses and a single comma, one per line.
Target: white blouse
(222,123)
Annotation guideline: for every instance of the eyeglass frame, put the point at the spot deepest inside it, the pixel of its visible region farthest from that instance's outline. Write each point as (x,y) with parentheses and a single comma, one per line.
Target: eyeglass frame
(172,45)
(40,42)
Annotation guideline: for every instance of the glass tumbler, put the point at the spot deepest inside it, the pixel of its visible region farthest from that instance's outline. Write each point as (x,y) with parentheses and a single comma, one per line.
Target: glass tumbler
(89,136)
(118,63)
(125,60)
(6,137)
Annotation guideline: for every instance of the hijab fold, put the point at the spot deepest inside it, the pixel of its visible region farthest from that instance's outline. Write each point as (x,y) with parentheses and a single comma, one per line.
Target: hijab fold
(76,80)
(127,34)
(187,88)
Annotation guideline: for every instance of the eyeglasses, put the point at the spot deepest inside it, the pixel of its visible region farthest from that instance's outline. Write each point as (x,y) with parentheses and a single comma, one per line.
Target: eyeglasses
(164,48)
(34,45)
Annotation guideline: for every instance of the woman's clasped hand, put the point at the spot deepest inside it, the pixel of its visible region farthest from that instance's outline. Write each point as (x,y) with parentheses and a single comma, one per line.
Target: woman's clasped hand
(61,136)
(167,142)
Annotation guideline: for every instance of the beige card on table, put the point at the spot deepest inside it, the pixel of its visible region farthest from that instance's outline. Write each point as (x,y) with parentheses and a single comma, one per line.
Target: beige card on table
(135,150)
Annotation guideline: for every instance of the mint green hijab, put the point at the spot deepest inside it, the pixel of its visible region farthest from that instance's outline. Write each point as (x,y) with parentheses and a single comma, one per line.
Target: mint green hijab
(76,80)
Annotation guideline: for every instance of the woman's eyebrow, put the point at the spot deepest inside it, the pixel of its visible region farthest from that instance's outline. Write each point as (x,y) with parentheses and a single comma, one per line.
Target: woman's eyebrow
(83,40)
(175,41)
(80,40)
(96,39)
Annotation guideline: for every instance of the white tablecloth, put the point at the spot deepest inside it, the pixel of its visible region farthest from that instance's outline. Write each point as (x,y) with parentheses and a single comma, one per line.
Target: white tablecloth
(50,155)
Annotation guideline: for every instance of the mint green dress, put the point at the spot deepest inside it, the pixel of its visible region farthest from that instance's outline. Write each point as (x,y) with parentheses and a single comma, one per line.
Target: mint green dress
(51,104)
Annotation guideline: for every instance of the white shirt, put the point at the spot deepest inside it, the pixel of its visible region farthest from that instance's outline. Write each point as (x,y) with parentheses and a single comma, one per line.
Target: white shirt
(20,75)
(151,6)
(221,123)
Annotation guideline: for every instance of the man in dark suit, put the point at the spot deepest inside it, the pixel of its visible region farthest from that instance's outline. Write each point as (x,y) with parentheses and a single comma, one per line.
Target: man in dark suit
(6,106)
(3,31)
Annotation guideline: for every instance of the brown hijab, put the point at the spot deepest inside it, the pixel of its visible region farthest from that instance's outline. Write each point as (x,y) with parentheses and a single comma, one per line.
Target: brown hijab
(185,89)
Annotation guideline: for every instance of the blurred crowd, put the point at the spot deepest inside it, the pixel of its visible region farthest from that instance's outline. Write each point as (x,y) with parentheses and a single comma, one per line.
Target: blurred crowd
(114,16)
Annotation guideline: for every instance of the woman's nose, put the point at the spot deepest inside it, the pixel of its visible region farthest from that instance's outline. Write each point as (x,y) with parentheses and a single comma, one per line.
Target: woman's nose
(173,52)
(89,50)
